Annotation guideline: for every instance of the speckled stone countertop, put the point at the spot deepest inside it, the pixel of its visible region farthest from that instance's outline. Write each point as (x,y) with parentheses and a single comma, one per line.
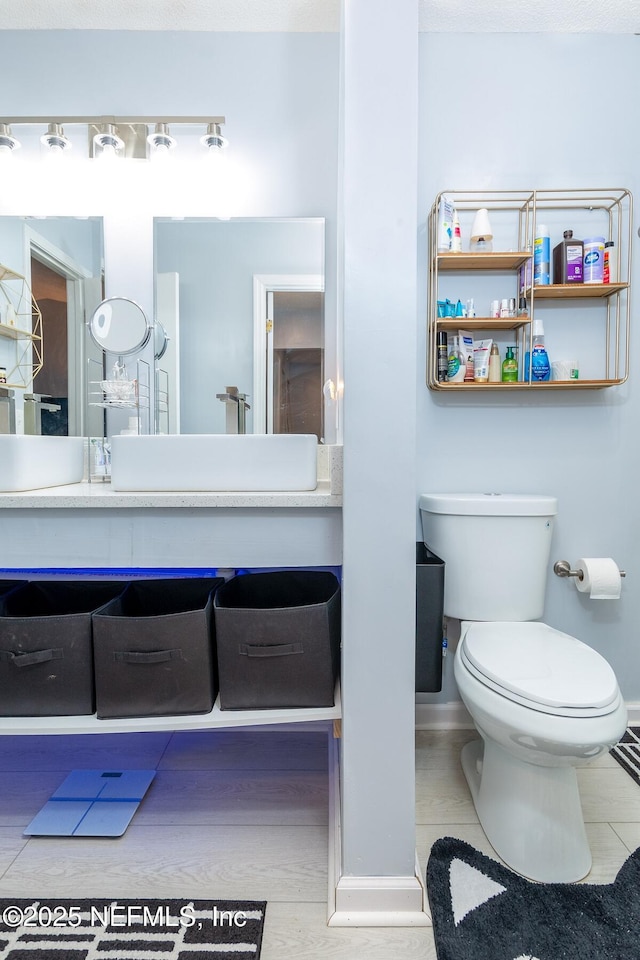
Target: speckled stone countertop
(78,496)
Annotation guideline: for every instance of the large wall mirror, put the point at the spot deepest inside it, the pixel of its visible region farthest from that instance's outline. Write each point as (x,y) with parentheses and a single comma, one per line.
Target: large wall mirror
(62,260)
(242,305)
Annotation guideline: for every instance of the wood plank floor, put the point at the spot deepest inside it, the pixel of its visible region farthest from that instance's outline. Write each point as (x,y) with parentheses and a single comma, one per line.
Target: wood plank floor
(243,814)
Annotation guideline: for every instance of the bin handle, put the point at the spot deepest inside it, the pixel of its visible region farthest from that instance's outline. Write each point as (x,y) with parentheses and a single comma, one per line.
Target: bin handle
(28,659)
(151,656)
(274,650)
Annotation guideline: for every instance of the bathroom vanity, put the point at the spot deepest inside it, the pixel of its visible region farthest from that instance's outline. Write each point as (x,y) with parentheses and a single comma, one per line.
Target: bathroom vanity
(70,530)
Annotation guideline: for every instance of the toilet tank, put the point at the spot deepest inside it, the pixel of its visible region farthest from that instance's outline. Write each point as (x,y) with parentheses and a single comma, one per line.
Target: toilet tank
(496,552)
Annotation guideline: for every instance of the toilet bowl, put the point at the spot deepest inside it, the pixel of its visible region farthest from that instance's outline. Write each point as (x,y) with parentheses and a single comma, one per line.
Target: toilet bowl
(542,701)
(541,716)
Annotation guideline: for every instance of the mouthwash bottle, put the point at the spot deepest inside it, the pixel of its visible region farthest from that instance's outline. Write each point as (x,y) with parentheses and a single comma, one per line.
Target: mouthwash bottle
(456,364)
(538,361)
(509,367)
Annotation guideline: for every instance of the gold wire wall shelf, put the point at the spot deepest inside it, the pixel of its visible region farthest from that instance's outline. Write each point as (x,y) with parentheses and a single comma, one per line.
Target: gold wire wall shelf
(20,322)
(513,215)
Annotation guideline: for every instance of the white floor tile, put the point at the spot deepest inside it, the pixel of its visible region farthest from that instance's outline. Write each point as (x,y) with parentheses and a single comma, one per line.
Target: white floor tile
(242,814)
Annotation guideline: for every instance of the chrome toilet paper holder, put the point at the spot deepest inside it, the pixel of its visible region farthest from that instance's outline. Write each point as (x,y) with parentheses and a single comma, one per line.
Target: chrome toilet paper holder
(562,568)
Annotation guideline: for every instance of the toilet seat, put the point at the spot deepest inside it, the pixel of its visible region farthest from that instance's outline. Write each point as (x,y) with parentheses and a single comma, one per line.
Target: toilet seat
(542,668)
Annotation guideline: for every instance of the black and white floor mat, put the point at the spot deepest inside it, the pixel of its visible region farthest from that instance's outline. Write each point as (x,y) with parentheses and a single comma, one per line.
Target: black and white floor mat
(627,752)
(131,929)
(483,911)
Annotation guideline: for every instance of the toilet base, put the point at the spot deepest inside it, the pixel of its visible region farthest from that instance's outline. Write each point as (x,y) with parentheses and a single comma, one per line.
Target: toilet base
(531,814)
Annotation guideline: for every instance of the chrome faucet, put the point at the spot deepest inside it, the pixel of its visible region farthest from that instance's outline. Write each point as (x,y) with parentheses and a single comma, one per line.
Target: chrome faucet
(236,408)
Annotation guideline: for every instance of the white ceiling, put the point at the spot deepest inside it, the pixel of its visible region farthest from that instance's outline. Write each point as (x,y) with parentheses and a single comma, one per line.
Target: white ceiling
(437,16)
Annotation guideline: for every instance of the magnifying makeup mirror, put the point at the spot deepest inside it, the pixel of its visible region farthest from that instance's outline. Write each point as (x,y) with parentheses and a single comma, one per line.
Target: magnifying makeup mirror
(119,325)
(160,340)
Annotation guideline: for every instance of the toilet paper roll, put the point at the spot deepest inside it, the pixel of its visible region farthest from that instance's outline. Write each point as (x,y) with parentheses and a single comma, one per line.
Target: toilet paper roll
(601,578)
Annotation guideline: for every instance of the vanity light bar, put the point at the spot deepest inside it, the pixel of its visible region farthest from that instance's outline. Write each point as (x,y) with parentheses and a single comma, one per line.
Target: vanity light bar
(129,136)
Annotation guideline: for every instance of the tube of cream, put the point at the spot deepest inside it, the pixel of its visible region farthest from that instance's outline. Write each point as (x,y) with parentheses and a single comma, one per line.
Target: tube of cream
(466,342)
(481,353)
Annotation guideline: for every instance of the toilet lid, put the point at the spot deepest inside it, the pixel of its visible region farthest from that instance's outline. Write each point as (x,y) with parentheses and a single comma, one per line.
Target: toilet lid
(535,662)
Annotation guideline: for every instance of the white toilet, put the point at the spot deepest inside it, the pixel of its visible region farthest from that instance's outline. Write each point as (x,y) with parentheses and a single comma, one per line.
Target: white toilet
(543,702)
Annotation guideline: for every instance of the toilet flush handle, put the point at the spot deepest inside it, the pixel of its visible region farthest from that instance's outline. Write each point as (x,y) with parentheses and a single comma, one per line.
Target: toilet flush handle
(562,568)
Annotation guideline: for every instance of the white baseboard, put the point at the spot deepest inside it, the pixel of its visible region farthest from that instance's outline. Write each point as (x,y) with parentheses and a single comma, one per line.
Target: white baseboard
(443,716)
(633,712)
(380,902)
(453,715)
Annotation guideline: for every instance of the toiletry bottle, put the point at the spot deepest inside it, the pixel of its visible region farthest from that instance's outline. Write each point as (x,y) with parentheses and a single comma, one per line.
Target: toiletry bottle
(539,359)
(456,239)
(456,366)
(541,256)
(522,307)
(445,223)
(593,260)
(610,270)
(509,367)
(495,366)
(567,259)
(442,357)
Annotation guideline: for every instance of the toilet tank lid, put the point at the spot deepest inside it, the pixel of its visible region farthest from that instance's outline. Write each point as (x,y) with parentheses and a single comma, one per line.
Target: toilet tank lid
(489,504)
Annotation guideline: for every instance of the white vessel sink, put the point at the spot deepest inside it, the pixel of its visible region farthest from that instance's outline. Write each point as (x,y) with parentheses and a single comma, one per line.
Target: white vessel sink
(214,462)
(32,463)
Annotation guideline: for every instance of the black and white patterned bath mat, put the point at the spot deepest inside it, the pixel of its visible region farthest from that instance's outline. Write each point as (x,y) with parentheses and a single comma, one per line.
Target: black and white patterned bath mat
(483,911)
(122,929)
(627,752)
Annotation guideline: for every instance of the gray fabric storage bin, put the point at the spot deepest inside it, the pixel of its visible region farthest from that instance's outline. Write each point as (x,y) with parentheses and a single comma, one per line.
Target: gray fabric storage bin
(278,639)
(154,649)
(7,585)
(46,656)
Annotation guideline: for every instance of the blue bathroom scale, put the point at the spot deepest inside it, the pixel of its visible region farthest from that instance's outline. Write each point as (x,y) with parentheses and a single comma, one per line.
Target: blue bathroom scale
(92,803)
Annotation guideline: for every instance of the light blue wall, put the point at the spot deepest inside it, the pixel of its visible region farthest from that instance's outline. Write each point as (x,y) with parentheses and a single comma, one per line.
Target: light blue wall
(539,111)
(491,116)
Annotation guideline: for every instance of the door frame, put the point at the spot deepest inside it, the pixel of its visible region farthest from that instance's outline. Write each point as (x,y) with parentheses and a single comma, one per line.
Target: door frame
(50,255)
(263,285)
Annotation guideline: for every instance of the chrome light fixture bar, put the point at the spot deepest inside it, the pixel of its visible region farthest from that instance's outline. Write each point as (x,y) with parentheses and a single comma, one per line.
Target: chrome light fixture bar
(134,137)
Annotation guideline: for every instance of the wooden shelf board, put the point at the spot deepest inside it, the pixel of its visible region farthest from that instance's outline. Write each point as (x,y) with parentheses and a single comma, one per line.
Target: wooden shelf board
(524,385)
(482,323)
(572,291)
(15,333)
(499,260)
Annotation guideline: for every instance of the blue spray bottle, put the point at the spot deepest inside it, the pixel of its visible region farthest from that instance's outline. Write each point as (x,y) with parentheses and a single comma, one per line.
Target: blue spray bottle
(539,358)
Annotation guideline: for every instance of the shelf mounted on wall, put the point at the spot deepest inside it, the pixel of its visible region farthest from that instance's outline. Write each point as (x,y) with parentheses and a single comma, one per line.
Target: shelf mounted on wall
(20,322)
(513,217)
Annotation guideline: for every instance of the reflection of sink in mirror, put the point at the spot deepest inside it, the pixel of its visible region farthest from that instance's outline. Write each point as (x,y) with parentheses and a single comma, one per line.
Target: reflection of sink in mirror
(32,463)
(214,462)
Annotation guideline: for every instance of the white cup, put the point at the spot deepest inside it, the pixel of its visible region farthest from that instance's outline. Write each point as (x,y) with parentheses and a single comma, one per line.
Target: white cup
(564,370)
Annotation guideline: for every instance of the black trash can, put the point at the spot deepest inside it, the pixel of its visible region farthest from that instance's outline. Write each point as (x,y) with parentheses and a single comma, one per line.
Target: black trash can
(46,654)
(430,572)
(154,649)
(278,639)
